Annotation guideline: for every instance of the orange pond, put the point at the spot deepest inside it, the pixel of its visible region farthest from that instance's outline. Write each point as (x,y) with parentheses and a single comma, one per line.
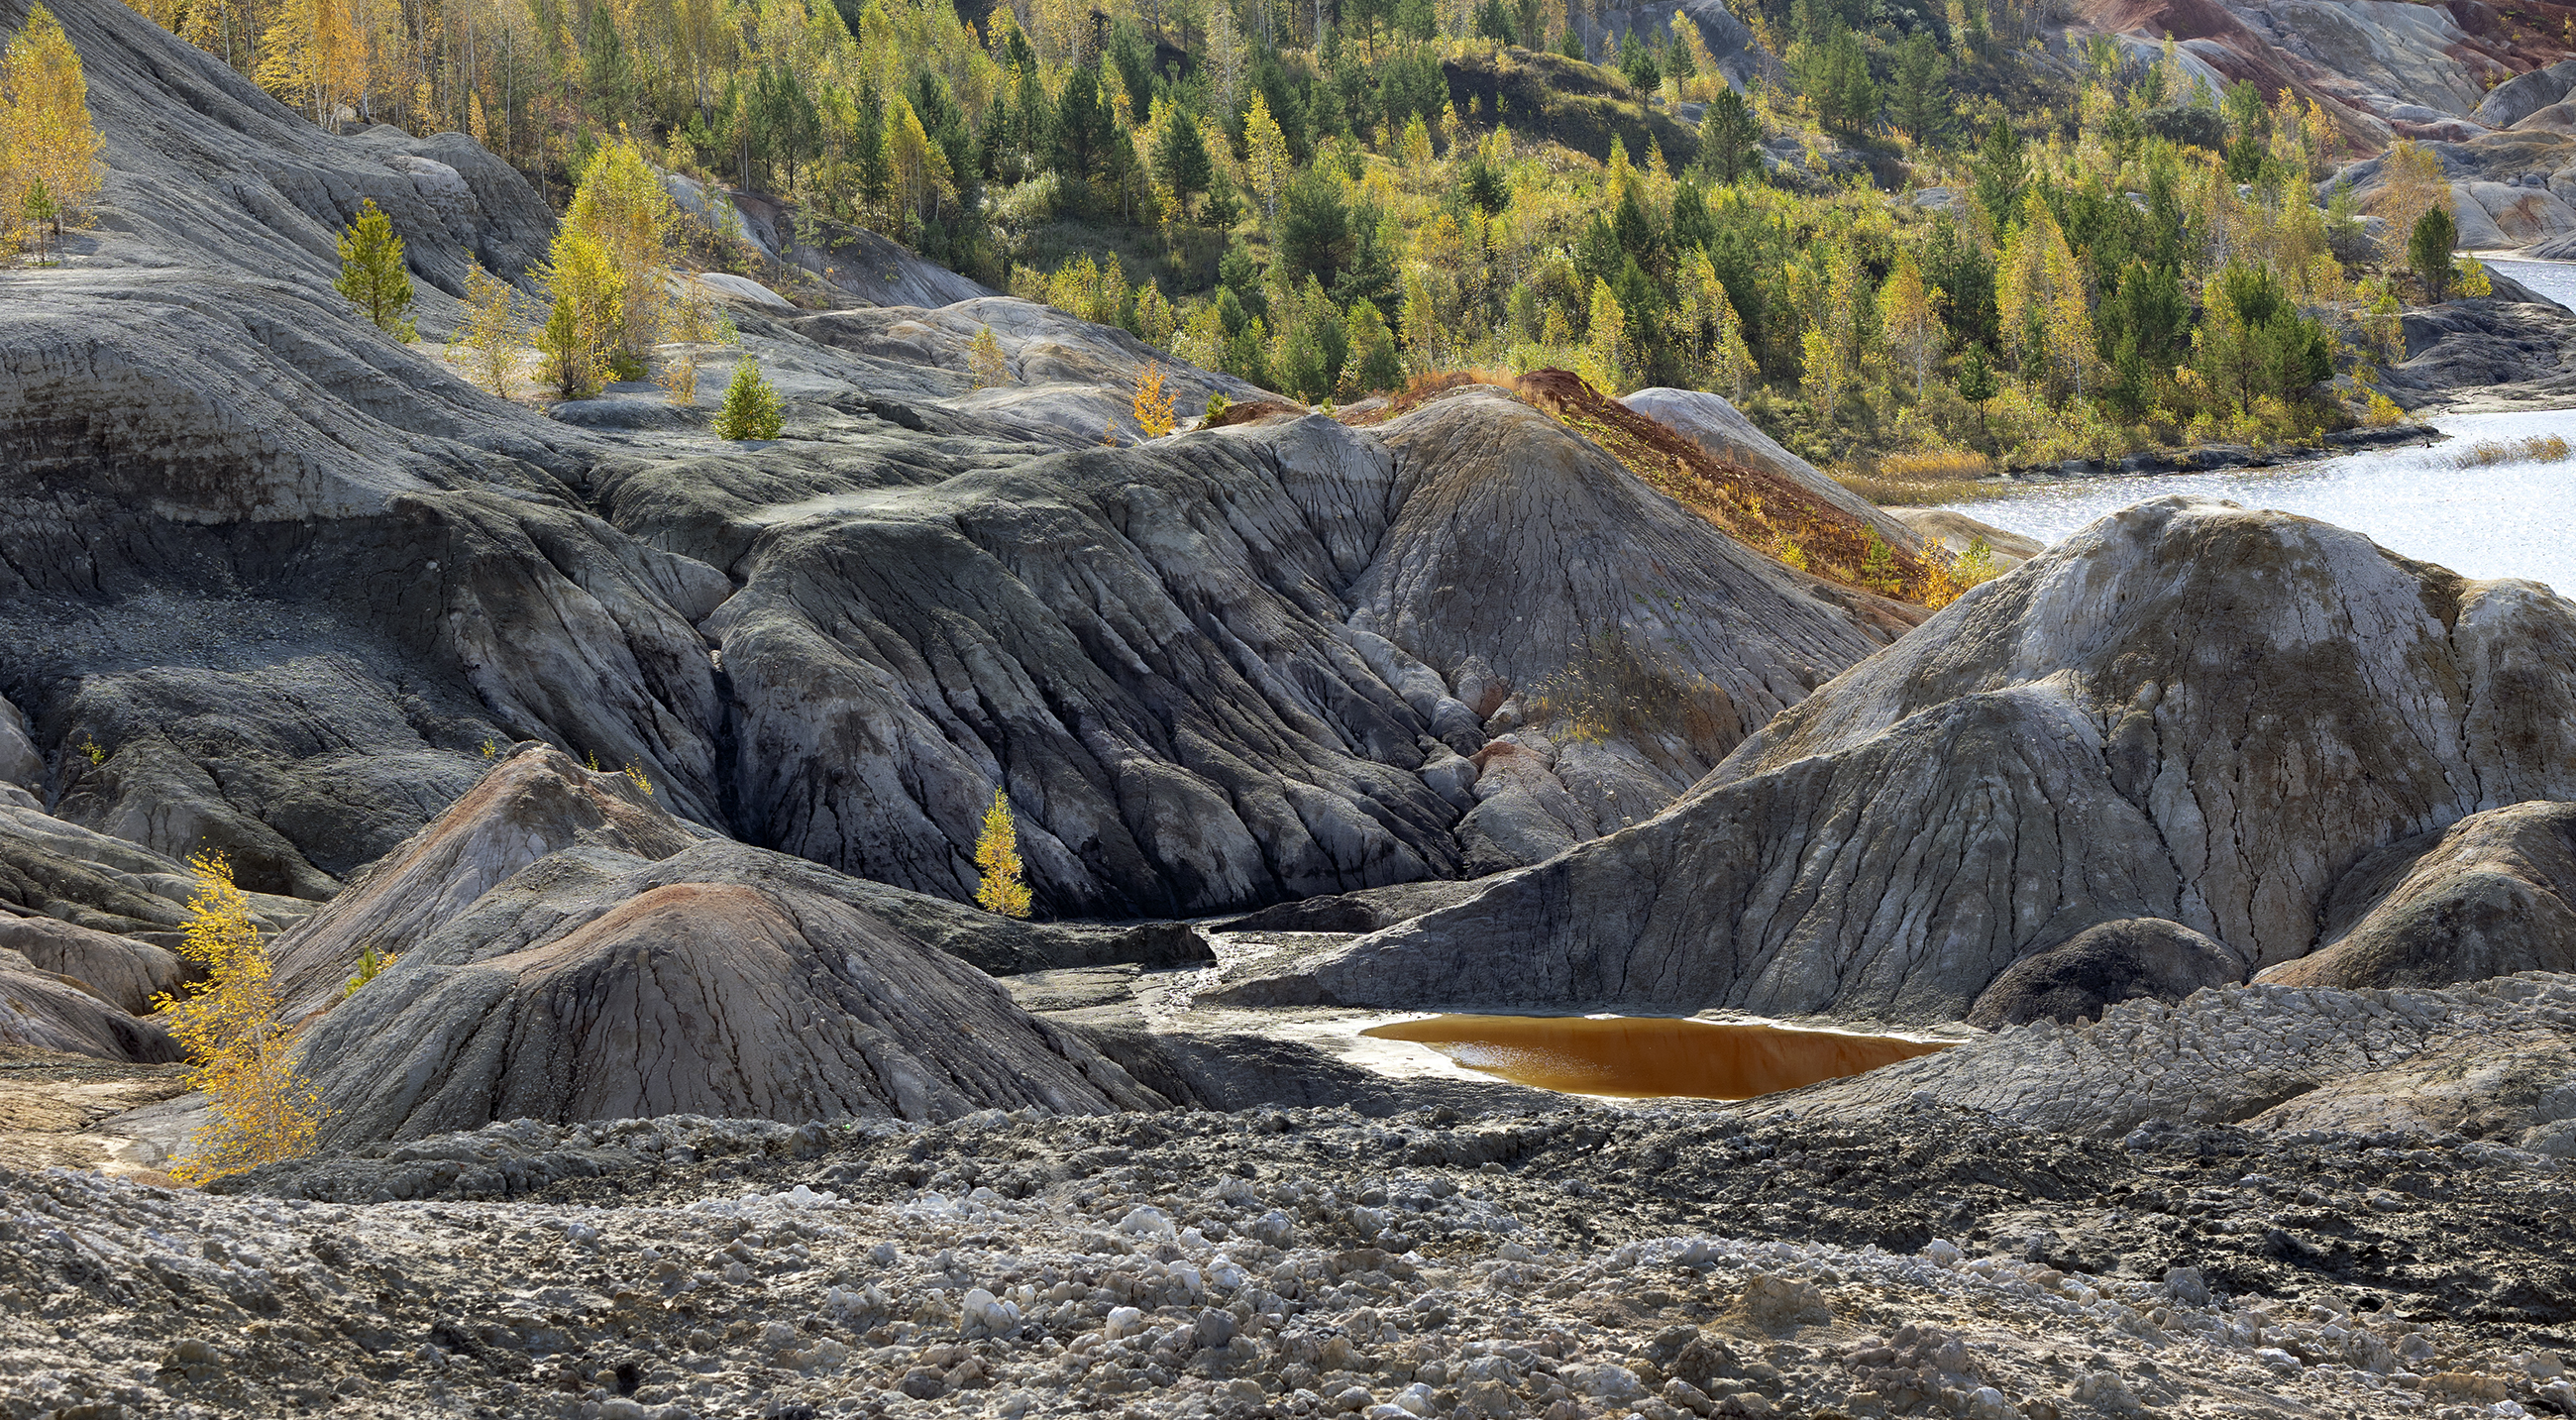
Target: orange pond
(1639,1057)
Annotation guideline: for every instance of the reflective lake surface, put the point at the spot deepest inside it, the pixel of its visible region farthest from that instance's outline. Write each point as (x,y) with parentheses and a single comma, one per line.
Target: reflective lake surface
(2554,279)
(2500,520)
(2497,520)
(1641,1057)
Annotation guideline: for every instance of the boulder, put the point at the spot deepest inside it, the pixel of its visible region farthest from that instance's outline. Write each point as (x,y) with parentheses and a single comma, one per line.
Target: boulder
(2491,895)
(2187,711)
(2101,966)
(1958,532)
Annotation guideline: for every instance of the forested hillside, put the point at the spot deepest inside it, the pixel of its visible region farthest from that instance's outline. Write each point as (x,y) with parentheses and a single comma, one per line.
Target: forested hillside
(1924,238)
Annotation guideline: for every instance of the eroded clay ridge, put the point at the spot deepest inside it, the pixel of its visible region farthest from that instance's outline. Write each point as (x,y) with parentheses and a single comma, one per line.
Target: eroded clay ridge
(2188,712)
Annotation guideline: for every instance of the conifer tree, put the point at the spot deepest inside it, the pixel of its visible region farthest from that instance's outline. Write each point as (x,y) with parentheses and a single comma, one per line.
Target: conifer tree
(1082,127)
(2428,251)
(372,273)
(1977,383)
(750,405)
(997,861)
(231,1025)
(40,210)
(1181,157)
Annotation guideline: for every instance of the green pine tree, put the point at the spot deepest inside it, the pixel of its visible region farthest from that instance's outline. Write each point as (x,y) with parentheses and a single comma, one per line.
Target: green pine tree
(40,210)
(2428,251)
(750,405)
(1181,157)
(372,273)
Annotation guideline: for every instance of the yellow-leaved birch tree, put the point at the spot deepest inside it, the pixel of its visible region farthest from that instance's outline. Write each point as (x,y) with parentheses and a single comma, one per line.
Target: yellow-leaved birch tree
(263,1109)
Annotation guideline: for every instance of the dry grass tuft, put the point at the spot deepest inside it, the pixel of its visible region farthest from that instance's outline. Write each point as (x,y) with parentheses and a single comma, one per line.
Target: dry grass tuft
(2487,453)
(1920,480)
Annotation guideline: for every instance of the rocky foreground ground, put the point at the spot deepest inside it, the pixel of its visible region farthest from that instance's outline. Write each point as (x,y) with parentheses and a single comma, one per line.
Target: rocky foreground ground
(1581,1262)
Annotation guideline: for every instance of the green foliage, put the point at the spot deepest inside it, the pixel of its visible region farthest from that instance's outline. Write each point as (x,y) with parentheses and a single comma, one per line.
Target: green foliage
(750,409)
(2254,344)
(372,273)
(371,964)
(1181,157)
(37,205)
(1730,138)
(1918,101)
(2428,252)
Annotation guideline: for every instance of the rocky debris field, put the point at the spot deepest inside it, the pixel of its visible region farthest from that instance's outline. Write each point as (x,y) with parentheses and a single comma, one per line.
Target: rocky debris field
(1579,1262)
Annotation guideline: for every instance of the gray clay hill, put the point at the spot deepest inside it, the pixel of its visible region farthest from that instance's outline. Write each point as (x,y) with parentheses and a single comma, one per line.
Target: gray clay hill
(2232,852)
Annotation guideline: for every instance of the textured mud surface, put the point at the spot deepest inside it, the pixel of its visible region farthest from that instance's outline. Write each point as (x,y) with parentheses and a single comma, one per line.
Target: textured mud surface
(1574,1263)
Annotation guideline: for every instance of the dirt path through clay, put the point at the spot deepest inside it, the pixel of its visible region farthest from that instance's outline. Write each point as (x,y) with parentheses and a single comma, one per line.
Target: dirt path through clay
(48,1102)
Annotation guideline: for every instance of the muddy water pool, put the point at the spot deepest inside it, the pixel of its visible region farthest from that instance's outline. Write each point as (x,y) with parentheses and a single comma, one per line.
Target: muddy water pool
(1642,1057)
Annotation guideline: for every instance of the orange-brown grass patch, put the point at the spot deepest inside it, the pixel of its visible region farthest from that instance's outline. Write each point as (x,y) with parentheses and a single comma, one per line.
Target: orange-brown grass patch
(1771,514)
(1421,390)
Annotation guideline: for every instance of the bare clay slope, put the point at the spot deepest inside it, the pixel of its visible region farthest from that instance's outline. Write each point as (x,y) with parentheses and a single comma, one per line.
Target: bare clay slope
(285,573)
(2187,712)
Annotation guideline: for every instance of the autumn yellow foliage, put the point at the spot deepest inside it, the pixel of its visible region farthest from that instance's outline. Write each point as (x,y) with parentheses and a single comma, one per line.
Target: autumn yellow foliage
(45,131)
(263,1110)
(997,858)
(1153,403)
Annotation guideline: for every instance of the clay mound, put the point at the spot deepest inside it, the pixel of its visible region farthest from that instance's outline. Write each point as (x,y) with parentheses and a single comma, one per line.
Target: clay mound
(119,970)
(690,998)
(42,1010)
(2187,711)
(569,951)
(2492,895)
(1532,549)
(536,801)
(538,812)
(2102,966)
